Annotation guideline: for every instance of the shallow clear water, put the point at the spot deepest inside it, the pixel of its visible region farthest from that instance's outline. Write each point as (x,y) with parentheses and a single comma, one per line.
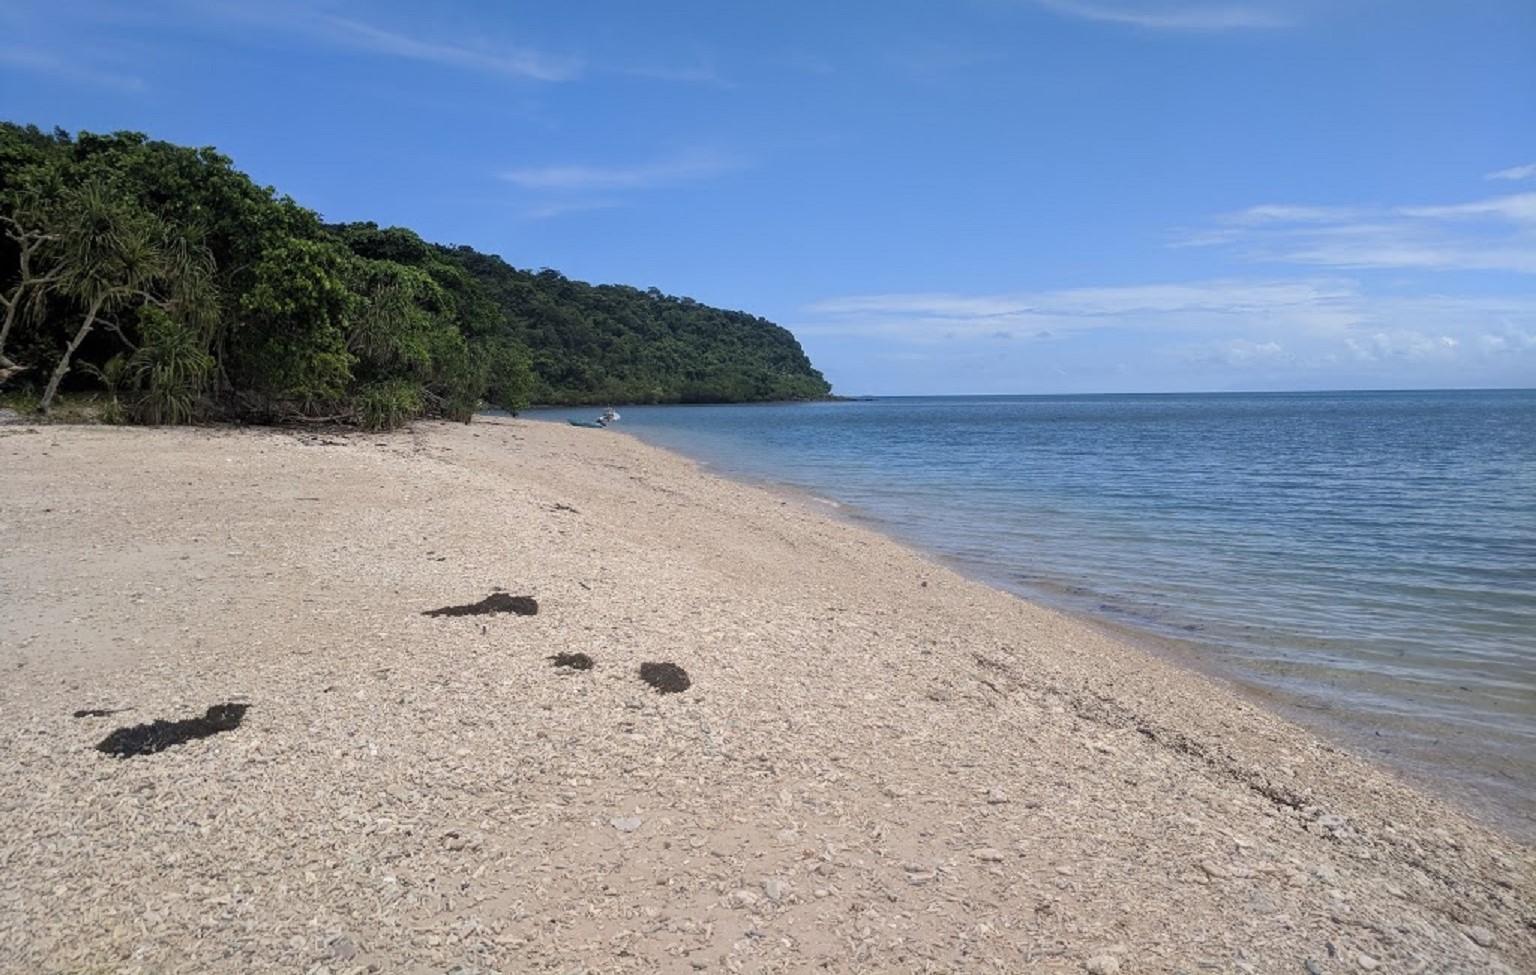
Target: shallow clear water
(1367,557)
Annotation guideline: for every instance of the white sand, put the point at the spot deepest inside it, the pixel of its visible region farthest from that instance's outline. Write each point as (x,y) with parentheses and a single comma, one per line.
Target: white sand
(880,766)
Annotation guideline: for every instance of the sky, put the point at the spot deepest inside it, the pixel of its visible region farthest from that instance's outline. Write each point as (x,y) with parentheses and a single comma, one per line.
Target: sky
(966,196)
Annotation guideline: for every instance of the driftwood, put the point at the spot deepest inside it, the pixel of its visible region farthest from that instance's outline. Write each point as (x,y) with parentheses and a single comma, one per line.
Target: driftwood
(315,420)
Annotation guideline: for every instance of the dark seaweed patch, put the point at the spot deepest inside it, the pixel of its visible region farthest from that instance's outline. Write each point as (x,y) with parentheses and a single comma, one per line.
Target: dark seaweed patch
(146,739)
(97,712)
(667,678)
(573,661)
(496,602)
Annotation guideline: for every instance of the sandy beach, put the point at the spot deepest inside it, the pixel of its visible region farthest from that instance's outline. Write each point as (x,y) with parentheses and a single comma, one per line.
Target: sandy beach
(879,765)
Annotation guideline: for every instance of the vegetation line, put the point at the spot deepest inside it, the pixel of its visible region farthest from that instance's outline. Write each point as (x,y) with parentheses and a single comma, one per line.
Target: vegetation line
(168,283)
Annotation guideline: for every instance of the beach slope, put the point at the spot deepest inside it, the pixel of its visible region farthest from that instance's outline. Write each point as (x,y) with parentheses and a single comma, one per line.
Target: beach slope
(879,765)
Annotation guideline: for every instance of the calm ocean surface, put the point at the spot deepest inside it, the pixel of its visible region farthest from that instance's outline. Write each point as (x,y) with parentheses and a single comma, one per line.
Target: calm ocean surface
(1365,560)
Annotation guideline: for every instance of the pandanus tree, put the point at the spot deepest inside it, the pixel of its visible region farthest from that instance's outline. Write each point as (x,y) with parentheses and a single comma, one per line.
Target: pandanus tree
(171,367)
(112,256)
(30,231)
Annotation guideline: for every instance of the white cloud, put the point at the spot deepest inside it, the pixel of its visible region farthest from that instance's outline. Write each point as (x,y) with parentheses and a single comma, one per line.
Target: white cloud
(469,52)
(1520,208)
(1289,213)
(1194,306)
(1267,329)
(1510,340)
(1514,173)
(1242,351)
(37,61)
(1227,295)
(1237,354)
(1157,15)
(558,208)
(406,42)
(426,35)
(579,176)
(500,59)
(1407,344)
(1491,234)
(1319,330)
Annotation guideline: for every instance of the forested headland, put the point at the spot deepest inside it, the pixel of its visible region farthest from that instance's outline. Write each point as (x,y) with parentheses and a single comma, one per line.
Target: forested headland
(175,289)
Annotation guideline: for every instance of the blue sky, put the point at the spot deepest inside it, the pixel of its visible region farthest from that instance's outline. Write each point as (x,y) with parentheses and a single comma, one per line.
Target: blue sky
(937,197)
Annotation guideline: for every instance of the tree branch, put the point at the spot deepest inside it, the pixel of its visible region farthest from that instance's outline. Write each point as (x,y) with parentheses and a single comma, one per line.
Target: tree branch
(118,330)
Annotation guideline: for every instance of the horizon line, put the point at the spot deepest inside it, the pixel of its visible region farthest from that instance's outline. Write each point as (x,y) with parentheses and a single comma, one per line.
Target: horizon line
(1186,392)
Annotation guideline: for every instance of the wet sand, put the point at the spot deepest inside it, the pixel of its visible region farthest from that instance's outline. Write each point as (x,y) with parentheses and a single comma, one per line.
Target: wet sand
(877,765)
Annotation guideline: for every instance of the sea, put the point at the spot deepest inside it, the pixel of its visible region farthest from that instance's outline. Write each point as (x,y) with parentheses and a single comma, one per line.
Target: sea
(1363,561)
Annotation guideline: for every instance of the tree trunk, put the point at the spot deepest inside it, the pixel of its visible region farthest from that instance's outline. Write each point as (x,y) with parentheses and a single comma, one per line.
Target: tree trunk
(28,246)
(12,307)
(63,366)
(5,329)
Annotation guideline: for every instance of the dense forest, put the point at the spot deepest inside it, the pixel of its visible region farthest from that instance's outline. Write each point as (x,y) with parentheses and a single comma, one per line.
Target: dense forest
(175,289)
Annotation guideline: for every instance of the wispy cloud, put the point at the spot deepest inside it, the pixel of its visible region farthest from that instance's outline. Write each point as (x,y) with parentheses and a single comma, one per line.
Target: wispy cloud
(37,61)
(699,73)
(474,53)
(1514,173)
(580,176)
(1289,213)
(507,60)
(559,208)
(1287,331)
(1174,16)
(1189,306)
(1491,234)
(1519,208)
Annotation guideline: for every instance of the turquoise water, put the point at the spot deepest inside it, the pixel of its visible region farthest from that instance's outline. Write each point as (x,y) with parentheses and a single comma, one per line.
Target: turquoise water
(1366,559)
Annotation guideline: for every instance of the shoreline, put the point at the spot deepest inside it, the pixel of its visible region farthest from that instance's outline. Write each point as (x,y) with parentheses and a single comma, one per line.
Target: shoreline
(1480,794)
(881,764)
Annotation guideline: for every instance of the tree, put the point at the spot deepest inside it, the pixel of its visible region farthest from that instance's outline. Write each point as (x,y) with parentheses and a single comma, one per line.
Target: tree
(112,254)
(288,345)
(509,376)
(172,367)
(107,258)
(201,292)
(29,231)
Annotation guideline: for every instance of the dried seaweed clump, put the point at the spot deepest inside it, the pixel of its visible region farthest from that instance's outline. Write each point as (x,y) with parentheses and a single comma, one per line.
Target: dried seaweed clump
(572,661)
(97,712)
(668,678)
(146,739)
(496,602)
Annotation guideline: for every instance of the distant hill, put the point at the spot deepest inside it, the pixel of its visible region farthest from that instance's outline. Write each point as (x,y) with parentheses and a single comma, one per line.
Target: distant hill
(614,343)
(166,279)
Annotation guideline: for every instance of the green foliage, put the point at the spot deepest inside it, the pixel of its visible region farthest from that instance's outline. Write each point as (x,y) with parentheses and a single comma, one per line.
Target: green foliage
(389,404)
(204,294)
(509,376)
(400,310)
(110,249)
(113,375)
(288,342)
(617,344)
(458,376)
(171,368)
(112,255)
